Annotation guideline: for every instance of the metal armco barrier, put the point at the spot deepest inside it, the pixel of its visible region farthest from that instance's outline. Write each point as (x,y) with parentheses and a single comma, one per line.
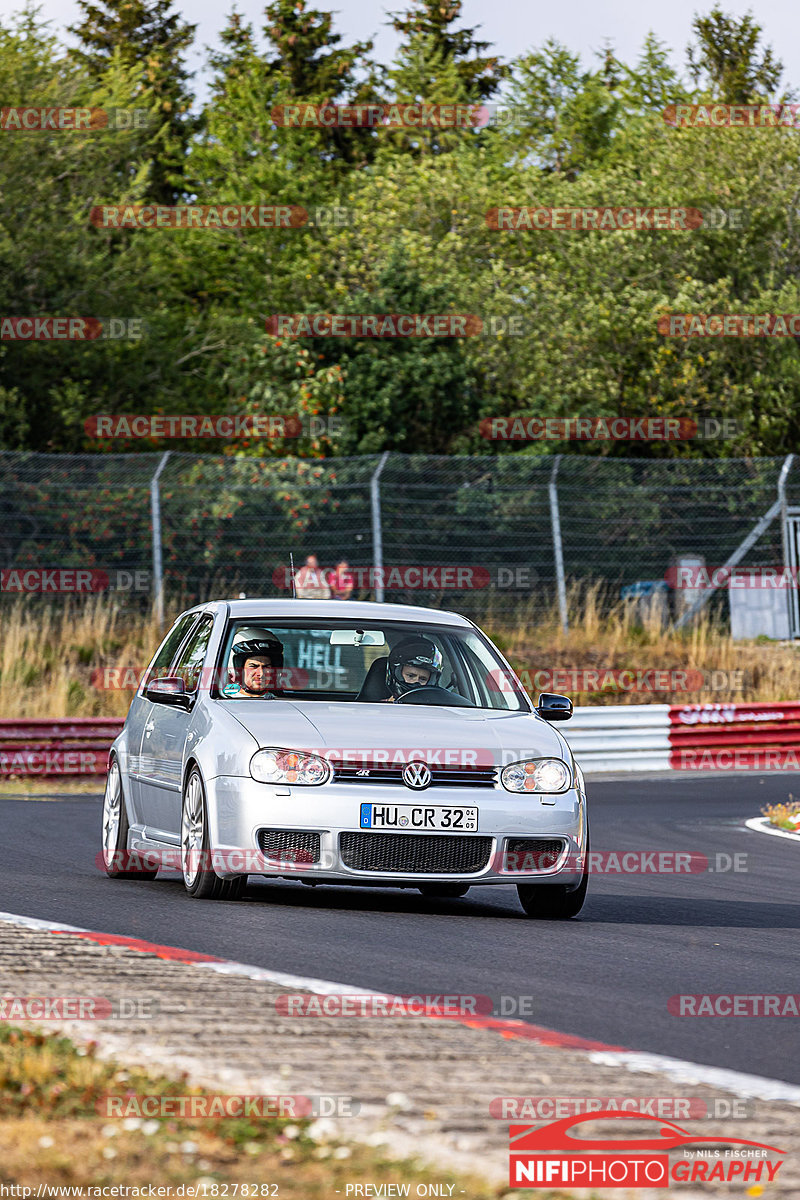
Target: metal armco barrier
(611,738)
(77,746)
(620,737)
(727,737)
(686,737)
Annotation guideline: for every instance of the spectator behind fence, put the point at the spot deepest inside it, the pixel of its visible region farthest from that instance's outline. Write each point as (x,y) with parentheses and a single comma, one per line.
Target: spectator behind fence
(310,582)
(341,581)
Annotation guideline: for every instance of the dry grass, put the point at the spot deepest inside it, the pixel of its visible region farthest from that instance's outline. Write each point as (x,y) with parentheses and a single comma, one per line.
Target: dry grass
(609,634)
(52,657)
(51,1133)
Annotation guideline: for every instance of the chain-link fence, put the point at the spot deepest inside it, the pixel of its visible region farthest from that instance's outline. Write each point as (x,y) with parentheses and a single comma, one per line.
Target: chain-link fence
(228,525)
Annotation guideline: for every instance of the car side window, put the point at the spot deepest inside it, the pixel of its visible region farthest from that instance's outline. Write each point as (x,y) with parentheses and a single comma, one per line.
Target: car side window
(170,646)
(190,663)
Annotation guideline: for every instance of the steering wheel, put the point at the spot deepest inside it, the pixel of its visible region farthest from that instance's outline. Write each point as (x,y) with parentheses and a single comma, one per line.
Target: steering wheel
(434,695)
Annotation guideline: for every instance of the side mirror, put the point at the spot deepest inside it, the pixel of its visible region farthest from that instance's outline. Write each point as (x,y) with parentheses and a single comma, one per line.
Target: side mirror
(169,690)
(552,707)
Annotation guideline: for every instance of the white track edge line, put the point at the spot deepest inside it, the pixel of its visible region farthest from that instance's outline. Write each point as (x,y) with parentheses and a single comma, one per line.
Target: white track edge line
(756,1087)
(636,1061)
(762,825)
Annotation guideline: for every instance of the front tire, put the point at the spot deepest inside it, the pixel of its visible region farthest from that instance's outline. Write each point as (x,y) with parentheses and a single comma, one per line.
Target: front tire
(552,902)
(199,877)
(118,860)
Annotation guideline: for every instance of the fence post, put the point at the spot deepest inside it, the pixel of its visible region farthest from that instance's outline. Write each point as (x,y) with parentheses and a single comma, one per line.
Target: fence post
(558,549)
(740,551)
(377,533)
(155,518)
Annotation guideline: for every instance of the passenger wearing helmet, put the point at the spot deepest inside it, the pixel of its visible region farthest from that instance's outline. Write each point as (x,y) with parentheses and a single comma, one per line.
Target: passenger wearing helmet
(413,663)
(255,662)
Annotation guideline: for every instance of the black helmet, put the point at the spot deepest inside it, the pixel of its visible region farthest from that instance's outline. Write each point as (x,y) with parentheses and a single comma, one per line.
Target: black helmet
(267,645)
(417,652)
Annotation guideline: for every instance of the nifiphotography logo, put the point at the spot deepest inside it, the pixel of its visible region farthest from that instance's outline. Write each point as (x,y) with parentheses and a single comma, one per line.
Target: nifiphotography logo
(555,1155)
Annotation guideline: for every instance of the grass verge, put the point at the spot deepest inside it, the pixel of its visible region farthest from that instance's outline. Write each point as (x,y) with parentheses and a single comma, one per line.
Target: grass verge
(58,659)
(51,1133)
(784,816)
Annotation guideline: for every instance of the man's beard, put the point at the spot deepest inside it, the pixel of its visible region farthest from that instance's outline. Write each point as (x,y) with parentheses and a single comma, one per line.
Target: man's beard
(258,691)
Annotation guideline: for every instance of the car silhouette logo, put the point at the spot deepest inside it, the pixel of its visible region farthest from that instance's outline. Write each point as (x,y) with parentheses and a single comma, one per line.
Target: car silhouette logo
(416,775)
(558,1135)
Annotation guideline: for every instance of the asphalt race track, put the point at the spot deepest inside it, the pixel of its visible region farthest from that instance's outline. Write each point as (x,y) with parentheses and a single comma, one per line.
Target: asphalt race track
(608,975)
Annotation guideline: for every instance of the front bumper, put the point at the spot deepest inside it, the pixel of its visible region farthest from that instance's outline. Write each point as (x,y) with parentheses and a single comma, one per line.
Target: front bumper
(239,808)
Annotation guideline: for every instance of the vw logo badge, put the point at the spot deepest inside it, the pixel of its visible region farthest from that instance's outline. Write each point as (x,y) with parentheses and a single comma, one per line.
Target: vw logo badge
(416,775)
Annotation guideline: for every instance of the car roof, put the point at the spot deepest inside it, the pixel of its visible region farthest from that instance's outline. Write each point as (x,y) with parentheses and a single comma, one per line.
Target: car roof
(348,610)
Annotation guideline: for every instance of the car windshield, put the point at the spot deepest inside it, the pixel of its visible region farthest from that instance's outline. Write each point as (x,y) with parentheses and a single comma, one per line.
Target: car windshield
(365,662)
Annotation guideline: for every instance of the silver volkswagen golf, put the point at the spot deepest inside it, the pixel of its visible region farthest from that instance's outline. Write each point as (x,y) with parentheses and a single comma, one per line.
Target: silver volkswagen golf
(348,743)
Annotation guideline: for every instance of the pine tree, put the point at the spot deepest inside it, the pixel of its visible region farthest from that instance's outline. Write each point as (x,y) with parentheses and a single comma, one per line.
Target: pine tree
(429,35)
(237,57)
(310,66)
(146,34)
(726,58)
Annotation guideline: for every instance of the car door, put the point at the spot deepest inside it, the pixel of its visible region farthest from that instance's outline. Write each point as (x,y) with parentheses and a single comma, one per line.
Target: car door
(141,709)
(164,742)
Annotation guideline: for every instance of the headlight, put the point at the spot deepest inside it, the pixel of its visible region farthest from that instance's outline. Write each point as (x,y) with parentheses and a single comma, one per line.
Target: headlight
(536,775)
(289,766)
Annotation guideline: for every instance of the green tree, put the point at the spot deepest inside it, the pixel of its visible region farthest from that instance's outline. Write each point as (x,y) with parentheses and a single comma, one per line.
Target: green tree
(430,38)
(409,394)
(306,63)
(53,262)
(569,114)
(727,58)
(146,34)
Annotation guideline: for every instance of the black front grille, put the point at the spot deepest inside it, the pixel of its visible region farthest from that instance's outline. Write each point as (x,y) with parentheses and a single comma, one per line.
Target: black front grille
(532,854)
(289,845)
(477,777)
(412,853)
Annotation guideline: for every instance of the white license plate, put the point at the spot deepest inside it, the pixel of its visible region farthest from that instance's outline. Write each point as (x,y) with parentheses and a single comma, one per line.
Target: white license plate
(418,816)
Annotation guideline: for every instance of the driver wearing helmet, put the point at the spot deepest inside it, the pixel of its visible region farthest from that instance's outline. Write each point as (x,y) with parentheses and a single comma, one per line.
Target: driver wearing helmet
(413,663)
(255,662)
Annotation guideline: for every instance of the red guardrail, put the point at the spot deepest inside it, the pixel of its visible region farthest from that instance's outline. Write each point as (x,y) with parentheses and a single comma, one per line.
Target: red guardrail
(75,746)
(708,737)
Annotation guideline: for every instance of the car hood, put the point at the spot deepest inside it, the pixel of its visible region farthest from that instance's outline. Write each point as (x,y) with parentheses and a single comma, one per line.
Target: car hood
(498,737)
